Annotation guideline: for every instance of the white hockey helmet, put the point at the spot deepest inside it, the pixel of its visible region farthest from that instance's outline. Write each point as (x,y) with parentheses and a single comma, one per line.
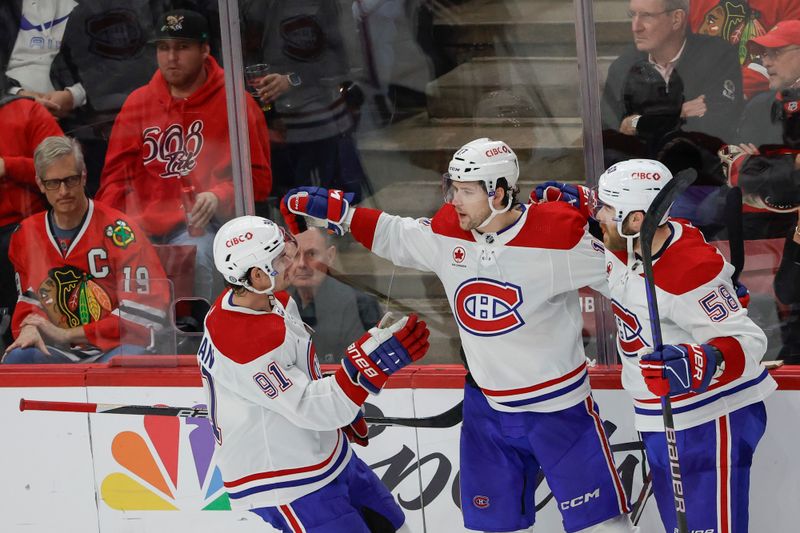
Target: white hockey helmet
(249,241)
(632,186)
(483,160)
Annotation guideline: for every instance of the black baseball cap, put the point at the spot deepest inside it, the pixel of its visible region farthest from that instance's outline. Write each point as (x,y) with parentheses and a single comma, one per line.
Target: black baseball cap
(182,24)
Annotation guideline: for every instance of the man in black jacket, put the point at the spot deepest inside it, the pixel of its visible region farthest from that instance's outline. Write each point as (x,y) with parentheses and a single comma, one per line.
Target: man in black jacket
(708,70)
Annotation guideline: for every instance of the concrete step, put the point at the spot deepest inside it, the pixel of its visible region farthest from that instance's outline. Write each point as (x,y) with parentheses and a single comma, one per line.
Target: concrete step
(527,27)
(524,87)
(419,149)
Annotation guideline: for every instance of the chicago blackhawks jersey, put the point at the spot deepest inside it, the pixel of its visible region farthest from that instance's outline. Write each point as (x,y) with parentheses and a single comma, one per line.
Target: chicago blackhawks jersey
(514,295)
(274,417)
(107,279)
(697,304)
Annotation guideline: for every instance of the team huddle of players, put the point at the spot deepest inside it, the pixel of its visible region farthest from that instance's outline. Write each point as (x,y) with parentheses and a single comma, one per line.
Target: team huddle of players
(527,405)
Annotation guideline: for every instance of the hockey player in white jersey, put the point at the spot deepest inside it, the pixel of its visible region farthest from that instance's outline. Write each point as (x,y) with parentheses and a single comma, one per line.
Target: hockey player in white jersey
(511,274)
(276,420)
(709,364)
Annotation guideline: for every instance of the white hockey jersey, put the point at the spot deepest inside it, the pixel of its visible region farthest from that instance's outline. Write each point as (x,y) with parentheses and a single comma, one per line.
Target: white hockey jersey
(697,304)
(274,417)
(514,295)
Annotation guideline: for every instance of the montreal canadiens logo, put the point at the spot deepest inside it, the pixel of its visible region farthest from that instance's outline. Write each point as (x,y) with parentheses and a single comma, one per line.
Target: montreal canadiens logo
(481,502)
(487,307)
(459,254)
(629,330)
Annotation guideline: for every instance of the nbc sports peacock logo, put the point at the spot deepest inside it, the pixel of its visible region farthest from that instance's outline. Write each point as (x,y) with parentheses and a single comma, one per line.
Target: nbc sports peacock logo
(154,472)
(487,307)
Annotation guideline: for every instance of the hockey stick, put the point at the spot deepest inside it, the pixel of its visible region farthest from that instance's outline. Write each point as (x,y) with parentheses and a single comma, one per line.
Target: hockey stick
(658,208)
(644,495)
(733,219)
(447,419)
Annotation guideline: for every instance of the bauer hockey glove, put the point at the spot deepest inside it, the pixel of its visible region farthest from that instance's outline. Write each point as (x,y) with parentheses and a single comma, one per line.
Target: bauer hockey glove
(383,351)
(679,368)
(330,207)
(580,197)
(357,432)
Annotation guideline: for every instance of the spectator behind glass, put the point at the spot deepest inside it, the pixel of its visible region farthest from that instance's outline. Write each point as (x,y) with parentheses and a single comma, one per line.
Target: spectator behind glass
(104,50)
(168,163)
(311,127)
(36,43)
(761,126)
(739,21)
(337,312)
(25,124)
(82,268)
(787,289)
(708,69)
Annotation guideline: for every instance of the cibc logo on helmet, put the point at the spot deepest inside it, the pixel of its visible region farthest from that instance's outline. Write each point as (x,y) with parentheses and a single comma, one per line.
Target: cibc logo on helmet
(491,152)
(646,176)
(239,239)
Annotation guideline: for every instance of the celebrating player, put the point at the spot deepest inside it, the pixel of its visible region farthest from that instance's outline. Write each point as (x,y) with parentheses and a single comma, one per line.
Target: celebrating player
(709,364)
(511,273)
(274,417)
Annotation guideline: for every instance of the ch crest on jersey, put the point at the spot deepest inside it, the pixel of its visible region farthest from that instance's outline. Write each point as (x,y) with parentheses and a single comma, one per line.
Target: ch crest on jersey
(629,330)
(120,234)
(71,298)
(176,148)
(487,307)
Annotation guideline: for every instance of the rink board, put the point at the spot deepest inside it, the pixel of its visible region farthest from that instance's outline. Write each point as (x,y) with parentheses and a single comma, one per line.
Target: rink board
(72,472)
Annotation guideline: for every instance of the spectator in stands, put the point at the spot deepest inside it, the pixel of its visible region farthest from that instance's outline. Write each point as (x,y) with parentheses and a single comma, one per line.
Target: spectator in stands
(86,272)
(37,40)
(311,126)
(168,163)
(337,312)
(708,69)
(787,289)
(25,124)
(779,51)
(738,22)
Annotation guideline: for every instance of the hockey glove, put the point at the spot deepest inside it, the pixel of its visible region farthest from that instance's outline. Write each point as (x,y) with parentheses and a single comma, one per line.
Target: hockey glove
(675,369)
(357,432)
(330,207)
(743,295)
(580,197)
(383,351)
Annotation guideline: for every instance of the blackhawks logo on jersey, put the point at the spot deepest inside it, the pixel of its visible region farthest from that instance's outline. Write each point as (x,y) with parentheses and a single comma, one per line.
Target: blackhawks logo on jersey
(71,298)
(120,234)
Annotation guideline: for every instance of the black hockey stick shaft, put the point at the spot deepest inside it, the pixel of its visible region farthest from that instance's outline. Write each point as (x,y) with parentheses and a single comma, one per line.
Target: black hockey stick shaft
(733,220)
(658,208)
(447,419)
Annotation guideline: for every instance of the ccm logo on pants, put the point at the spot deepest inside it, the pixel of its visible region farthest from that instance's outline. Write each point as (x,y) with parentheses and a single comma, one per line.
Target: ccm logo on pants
(580,500)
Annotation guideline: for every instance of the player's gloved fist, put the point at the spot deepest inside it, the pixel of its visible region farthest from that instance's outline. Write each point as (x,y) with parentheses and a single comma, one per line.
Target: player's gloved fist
(580,197)
(380,352)
(329,207)
(743,294)
(357,432)
(675,369)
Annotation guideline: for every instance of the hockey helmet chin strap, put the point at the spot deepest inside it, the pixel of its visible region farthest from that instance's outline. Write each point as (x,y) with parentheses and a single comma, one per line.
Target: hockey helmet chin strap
(494,212)
(246,284)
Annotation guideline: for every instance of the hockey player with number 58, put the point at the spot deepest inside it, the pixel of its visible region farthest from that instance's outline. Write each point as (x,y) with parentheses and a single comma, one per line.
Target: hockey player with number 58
(275,418)
(709,363)
(511,273)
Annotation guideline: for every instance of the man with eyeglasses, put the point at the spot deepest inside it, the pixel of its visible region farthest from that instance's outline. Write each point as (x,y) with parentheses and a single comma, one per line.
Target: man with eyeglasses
(779,50)
(87,277)
(707,68)
(738,22)
(25,124)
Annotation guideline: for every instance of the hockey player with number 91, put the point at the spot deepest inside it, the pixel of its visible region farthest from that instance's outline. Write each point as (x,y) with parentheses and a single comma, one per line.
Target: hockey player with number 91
(709,363)
(276,420)
(511,273)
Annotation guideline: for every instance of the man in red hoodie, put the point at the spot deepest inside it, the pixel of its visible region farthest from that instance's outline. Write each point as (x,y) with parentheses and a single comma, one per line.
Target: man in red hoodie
(168,164)
(25,124)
